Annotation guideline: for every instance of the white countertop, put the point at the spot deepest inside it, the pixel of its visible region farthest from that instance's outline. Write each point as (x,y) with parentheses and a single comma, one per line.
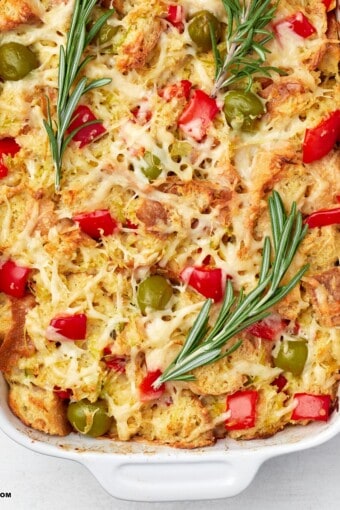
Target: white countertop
(308,480)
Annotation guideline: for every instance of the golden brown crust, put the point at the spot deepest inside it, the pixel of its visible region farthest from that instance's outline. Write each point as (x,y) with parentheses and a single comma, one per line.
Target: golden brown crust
(143,35)
(14,13)
(325,293)
(329,64)
(40,409)
(151,213)
(15,344)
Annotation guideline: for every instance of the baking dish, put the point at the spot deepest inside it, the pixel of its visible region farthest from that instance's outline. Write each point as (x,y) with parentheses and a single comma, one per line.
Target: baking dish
(139,472)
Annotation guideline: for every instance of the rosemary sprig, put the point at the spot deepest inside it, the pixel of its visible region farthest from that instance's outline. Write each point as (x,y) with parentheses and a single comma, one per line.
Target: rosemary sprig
(246,40)
(203,345)
(70,87)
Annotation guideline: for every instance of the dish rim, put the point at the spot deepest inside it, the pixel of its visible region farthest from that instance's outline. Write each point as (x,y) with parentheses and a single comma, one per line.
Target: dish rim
(128,470)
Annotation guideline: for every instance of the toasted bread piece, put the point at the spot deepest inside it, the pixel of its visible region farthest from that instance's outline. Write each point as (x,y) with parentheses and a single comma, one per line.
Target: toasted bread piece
(325,293)
(184,423)
(142,37)
(15,343)
(40,409)
(16,12)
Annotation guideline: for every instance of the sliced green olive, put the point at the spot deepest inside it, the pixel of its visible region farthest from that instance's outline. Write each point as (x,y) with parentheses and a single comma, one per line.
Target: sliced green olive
(292,356)
(90,419)
(154,292)
(107,33)
(242,109)
(16,61)
(153,168)
(199,29)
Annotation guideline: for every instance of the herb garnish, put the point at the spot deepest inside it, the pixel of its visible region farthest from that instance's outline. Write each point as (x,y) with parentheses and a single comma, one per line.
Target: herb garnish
(246,39)
(70,90)
(204,346)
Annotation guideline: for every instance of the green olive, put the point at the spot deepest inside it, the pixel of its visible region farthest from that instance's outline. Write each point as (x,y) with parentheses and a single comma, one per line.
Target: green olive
(107,33)
(153,168)
(90,419)
(292,356)
(242,108)
(16,61)
(199,29)
(154,292)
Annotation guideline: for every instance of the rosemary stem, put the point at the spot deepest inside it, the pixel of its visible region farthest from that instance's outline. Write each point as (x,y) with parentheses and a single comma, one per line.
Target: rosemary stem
(204,347)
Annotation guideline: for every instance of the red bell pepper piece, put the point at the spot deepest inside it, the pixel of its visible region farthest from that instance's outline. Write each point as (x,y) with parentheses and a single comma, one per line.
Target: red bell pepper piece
(242,407)
(142,113)
(146,390)
(311,407)
(280,382)
(327,4)
(97,223)
(338,198)
(87,134)
(269,328)
(297,23)
(175,16)
(116,363)
(320,140)
(198,115)
(13,279)
(323,218)
(128,224)
(67,327)
(63,394)
(179,90)
(210,282)
(8,147)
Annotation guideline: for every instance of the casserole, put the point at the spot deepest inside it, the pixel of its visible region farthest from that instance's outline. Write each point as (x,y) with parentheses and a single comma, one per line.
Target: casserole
(139,472)
(112,359)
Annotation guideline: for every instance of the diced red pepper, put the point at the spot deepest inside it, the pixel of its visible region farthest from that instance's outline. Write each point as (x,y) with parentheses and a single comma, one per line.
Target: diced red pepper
(297,23)
(323,218)
(295,328)
(242,407)
(63,394)
(210,282)
(13,279)
(269,328)
(87,134)
(338,198)
(198,115)
(129,224)
(142,113)
(280,382)
(179,90)
(8,147)
(327,4)
(116,363)
(97,223)
(311,407)
(320,140)
(146,390)
(206,261)
(175,16)
(67,327)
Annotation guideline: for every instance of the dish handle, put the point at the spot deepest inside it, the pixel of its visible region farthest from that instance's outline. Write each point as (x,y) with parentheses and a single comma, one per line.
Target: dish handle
(174,480)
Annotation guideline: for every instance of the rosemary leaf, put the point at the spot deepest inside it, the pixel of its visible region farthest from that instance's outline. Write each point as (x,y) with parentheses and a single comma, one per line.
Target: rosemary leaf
(70,87)
(246,39)
(202,346)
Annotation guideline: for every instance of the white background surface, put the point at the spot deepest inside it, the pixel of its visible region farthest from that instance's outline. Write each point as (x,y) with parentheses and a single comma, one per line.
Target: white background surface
(308,480)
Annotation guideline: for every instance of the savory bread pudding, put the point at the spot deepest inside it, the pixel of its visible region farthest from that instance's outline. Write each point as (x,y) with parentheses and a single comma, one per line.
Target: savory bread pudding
(169,216)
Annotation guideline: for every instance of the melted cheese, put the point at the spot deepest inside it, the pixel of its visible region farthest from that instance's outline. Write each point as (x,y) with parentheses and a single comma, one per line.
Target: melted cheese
(73,274)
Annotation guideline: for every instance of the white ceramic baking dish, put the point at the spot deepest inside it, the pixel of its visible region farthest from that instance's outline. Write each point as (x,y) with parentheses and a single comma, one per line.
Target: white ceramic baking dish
(138,472)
